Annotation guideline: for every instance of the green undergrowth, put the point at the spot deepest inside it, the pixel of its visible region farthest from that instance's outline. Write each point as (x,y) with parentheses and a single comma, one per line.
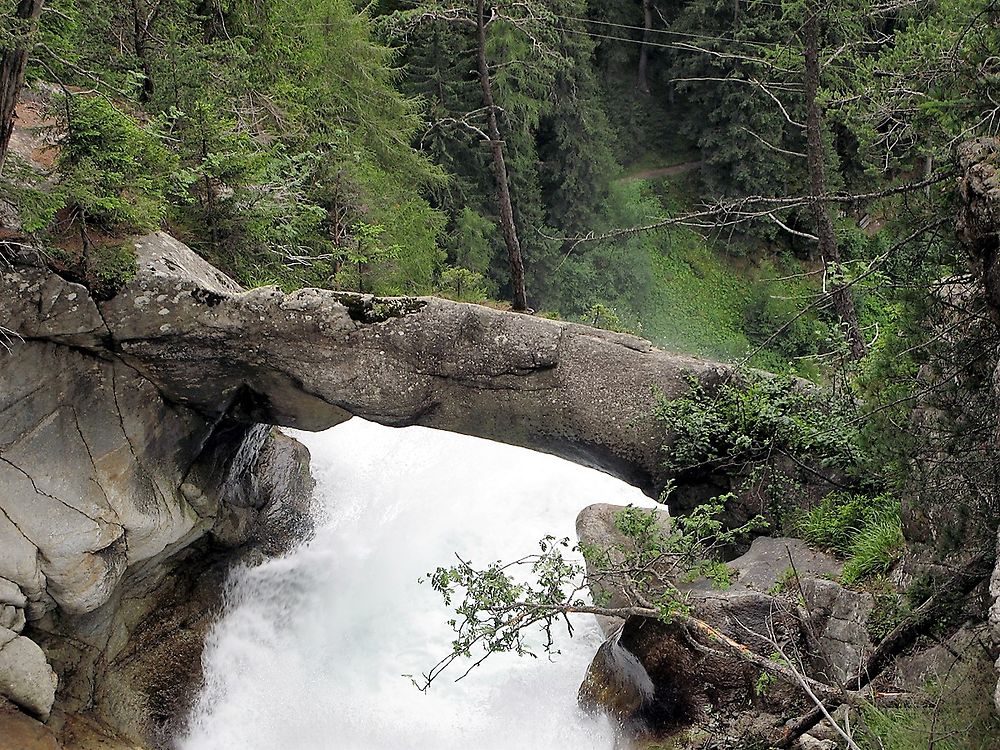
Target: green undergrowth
(724,298)
(865,529)
(958,716)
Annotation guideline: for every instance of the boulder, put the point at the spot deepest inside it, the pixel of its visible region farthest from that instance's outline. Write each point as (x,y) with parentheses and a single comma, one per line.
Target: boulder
(655,678)
(773,562)
(26,679)
(839,619)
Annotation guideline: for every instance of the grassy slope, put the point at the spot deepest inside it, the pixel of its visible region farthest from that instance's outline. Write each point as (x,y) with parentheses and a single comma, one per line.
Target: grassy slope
(701,295)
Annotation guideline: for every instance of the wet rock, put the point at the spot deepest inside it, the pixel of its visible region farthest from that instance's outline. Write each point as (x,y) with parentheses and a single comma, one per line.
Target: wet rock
(645,679)
(656,677)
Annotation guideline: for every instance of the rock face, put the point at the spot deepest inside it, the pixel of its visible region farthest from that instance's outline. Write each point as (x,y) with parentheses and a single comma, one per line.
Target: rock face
(106,491)
(838,618)
(978,224)
(314,358)
(979,218)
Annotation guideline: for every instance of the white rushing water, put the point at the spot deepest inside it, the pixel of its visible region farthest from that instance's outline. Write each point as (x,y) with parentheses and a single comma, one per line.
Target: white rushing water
(311,651)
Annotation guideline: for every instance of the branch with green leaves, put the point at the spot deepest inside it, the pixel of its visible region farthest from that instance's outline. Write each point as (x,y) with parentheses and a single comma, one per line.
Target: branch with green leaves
(504,606)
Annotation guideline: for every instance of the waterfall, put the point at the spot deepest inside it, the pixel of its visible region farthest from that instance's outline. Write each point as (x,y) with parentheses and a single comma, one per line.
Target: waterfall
(312,648)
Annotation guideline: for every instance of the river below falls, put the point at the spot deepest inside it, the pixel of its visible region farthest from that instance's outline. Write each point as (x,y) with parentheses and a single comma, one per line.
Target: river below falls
(311,651)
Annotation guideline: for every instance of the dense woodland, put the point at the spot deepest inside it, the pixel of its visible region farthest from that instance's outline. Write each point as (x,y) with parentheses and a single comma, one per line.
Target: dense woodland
(410,148)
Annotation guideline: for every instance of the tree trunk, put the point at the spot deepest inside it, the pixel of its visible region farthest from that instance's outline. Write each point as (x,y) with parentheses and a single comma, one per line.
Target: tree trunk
(12,66)
(647,35)
(843,303)
(507,226)
(140,39)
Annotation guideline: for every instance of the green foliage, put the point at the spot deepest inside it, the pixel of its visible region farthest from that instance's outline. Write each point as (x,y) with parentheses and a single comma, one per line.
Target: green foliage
(602,316)
(114,266)
(113,173)
(468,243)
(959,715)
(368,251)
(462,285)
(287,123)
(875,548)
(104,268)
(785,581)
(702,299)
(764,683)
(933,105)
(889,611)
(752,417)
(835,521)
(864,528)
(497,608)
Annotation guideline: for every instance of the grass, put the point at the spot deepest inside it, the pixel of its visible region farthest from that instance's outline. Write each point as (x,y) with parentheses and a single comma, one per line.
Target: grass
(865,529)
(723,303)
(960,715)
(875,548)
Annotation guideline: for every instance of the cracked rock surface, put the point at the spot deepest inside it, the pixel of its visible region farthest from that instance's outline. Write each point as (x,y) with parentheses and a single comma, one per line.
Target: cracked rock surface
(112,500)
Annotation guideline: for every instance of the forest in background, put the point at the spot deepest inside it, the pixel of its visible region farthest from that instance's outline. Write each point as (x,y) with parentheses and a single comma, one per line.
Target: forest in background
(326,143)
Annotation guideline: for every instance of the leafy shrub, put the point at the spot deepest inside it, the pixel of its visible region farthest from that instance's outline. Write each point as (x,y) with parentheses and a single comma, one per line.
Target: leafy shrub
(753,417)
(603,316)
(462,284)
(889,611)
(773,318)
(496,606)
